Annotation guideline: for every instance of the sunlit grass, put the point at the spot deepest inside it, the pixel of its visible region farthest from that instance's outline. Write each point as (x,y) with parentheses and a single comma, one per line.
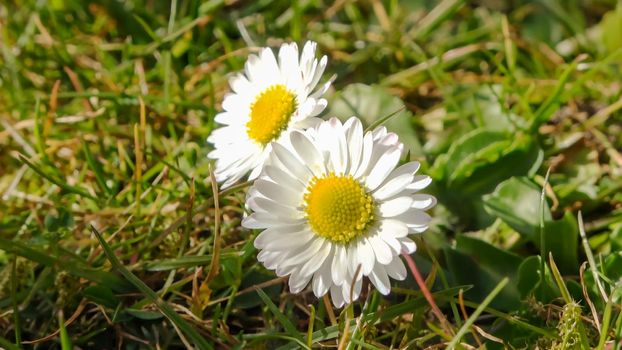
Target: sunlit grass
(108,216)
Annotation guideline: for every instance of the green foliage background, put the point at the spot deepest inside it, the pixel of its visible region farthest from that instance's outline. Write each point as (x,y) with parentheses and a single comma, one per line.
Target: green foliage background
(108,222)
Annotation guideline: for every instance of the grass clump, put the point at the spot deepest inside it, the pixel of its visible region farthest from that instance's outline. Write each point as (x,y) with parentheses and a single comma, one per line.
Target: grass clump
(112,235)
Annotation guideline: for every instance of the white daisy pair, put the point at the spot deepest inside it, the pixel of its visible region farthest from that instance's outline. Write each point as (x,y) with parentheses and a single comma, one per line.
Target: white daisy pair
(331,199)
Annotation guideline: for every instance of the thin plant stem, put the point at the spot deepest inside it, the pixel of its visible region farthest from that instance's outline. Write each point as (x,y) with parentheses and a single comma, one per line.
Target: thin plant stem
(426,293)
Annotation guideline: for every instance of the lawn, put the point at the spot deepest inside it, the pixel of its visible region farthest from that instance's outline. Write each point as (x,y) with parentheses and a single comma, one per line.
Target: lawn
(115,232)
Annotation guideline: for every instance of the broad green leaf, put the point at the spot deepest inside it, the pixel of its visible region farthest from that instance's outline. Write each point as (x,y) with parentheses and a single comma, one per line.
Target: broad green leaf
(484,266)
(370,103)
(101,295)
(476,164)
(516,201)
(610,29)
(487,150)
(562,239)
(529,281)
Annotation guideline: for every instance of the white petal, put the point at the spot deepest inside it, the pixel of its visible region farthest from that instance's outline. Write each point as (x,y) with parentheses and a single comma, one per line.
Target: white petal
(365,255)
(272,208)
(277,232)
(335,295)
(262,220)
(333,136)
(345,290)
(391,241)
(288,62)
(353,258)
(354,137)
(305,253)
(355,291)
(408,246)
(379,278)
(297,282)
(317,260)
(396,269)
(239,84)
(280,242)
(321,278)
(394,228)
(339,267)
(414,217)
(291,163)
(368,147)
(379,132)
(392,187)
(307,151)
(269,63)
(423,201)
(282,178)
(420,182)
(277,193)
(383,253)
(395,206)
(383,167)
(307,57)
(251,222)
(271,260)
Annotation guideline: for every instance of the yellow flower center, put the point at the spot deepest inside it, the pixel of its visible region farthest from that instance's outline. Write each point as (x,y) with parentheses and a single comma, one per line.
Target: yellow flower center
(338,208)
(270,113)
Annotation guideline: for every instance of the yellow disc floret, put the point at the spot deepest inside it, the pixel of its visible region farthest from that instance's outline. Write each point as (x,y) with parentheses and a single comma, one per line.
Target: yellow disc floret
(270,113)
(338,208)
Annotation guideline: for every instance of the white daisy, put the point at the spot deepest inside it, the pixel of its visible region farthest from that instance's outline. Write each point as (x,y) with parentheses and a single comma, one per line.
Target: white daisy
(332,198)
(271,97)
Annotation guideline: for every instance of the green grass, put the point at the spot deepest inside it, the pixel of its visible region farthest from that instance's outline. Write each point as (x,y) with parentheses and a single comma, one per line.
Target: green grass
(108,215)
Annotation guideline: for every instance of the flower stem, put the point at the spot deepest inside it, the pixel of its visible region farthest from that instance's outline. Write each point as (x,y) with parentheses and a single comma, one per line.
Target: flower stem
(426,293)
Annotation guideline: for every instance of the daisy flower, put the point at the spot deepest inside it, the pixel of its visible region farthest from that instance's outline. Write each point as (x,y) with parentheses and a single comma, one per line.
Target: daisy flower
(332,198)
(271,97)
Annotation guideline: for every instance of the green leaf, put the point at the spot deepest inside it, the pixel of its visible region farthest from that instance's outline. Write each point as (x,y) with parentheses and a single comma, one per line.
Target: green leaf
(370,103)
(483,149)
(102,295)
(611,27)
(475,164)
(530,281)
(144,314)
(516,202)
(562,240)
(483,265)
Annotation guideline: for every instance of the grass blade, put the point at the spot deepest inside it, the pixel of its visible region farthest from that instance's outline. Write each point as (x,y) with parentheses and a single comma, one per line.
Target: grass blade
(164,307)
(465,327)
(8,345)
(72,266)
(285,322)
(65,341)
(97,170)
(71,189)
(18,329)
